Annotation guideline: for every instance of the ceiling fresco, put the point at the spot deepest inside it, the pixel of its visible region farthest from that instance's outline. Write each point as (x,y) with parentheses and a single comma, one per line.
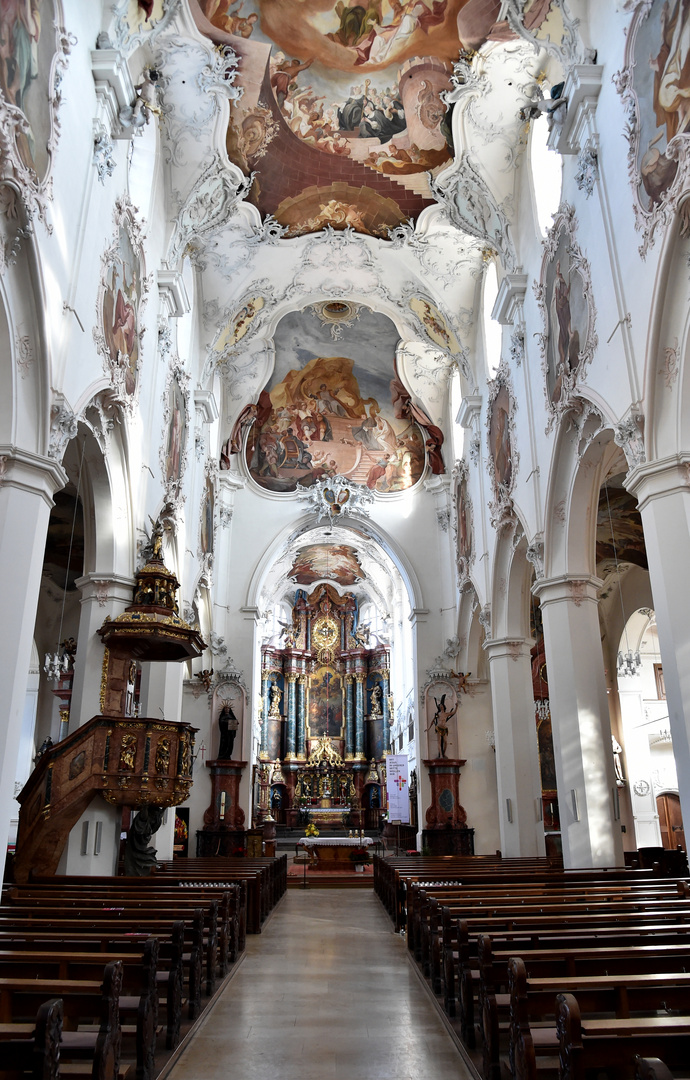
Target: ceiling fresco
(329,408)
(327,562)
(342,113)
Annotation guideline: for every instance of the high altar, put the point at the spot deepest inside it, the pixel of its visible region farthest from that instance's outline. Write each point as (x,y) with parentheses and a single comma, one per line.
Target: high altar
(325,727)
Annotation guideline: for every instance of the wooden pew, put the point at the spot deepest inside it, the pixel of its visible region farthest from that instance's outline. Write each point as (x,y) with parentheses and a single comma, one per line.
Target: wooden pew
(80,934)
(231,899)
(91,904)
(532,1026)
(585,1044)
(460,937)
(83,1001)
(35,1053)
(28,918)
(138,1000)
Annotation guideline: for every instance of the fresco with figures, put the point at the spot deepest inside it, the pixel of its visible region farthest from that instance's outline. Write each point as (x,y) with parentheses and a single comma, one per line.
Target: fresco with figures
(27,48)
(342,113)
(327,562)
(328,415)
(661,83)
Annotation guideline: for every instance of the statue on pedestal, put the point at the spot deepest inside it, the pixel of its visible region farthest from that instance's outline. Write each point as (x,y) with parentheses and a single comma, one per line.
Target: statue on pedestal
(376,697)
(440,721)
(227,725)
(276,695)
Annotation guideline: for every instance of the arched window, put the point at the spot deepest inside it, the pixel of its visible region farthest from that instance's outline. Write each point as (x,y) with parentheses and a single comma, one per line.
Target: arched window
(492,329)
(546,168)
(455,403)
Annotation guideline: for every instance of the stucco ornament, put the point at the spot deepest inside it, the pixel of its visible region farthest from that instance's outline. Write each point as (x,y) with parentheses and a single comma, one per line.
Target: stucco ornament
(462,523)
(656,130)
(27,162)
(177,422)
(122,296)
(503,458)
(209,205)
(564,295)
(333,497)
(570,50)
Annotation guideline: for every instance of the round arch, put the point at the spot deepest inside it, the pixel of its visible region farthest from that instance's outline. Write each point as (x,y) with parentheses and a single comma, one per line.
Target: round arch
(308,521)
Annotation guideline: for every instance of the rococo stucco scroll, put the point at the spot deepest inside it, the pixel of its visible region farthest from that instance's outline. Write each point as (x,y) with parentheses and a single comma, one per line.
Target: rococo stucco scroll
(177,420)
(564,296)
(503,458)
(654,85)
(34,59)
(462,519)
(122,296)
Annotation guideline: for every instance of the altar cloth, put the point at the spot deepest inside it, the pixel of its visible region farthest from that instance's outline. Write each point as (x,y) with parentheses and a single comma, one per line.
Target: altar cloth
(335,841)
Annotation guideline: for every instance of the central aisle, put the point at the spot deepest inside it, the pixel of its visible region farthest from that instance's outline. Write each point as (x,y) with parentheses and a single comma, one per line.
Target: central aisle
(326,991)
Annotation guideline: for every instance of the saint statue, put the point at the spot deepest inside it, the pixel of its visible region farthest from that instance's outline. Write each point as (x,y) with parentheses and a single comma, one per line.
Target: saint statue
(276,695)
(139,857)
(376,696)
(440,721)
(227,725)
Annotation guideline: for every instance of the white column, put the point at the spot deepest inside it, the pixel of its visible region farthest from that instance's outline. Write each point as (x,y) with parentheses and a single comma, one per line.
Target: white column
(580,722)
(664,502)
(421,648)
(27,485)
(161,691)
(638,759)
(101,595)
(517,750)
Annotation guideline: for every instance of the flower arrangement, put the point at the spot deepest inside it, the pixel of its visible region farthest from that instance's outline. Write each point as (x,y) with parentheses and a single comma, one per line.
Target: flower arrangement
(311,830)
(359,855)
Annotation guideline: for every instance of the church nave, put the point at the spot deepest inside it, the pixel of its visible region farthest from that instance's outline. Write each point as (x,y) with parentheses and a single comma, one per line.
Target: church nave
(326,991)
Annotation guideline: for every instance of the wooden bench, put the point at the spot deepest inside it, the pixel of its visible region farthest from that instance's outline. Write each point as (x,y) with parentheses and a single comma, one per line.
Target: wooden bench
(34,1052)
(82,935)
(231,899)
(138,999)
(532,1027)
(84,1001)
(585,1044)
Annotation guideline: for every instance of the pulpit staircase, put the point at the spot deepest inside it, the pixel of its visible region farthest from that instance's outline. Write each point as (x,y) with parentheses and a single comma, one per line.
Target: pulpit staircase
(129,762)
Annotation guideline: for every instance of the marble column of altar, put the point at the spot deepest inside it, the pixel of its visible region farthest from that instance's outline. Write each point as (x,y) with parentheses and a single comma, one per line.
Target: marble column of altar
(359,715)
(265,685)
(301,716)
(349,716)
(386,687)
(291,740)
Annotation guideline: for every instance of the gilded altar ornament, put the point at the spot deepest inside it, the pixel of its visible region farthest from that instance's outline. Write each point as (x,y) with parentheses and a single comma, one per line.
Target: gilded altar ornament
(325,633)
(128,753)
(186,756)
(162,760)
(274,708)
(372,776)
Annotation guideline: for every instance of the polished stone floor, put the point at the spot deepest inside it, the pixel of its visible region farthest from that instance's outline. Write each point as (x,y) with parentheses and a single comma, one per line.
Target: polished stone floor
(325,992)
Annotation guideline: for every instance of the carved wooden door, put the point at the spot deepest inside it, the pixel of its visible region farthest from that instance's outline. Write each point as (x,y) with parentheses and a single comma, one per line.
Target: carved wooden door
(670,821)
